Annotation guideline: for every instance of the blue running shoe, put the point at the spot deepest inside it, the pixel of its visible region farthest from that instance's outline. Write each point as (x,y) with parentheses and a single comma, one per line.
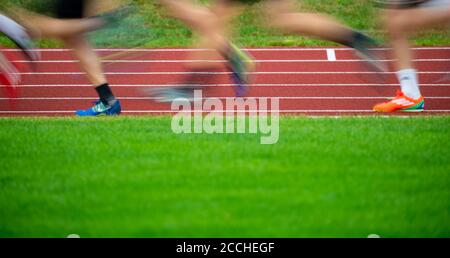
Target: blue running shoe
(101,109)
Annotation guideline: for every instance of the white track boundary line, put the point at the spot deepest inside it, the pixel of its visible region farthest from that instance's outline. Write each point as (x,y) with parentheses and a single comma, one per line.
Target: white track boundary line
(227,85)
(331,55)
(218,97)
(193,49)
(224,61)
(217,111)
(220,73)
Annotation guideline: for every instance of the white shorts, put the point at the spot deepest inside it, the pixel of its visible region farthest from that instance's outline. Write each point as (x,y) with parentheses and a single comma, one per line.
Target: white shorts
(436,3)
(405,4)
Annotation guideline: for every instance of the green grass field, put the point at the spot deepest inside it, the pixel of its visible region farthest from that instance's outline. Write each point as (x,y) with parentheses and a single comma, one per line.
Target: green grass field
(359,14)
(132,177)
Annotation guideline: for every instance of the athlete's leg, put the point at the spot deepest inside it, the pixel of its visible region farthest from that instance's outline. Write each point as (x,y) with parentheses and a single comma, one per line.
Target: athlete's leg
(71,26)
(282,14)
(212,25)
(217,31)
(225,12)
(240,63)
(41,26)
(208,23)
(193,15)
(400,27)
(89,61)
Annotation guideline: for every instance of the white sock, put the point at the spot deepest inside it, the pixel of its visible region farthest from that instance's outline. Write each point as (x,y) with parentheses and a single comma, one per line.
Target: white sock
(409,83)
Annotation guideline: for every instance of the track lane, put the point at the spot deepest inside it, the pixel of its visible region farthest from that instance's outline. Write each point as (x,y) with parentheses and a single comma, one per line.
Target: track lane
(224,78)
(304,80)
(227,91)
(263,66)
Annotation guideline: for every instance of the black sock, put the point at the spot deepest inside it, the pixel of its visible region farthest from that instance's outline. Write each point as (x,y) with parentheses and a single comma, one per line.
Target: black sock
(105,94)
(355,40)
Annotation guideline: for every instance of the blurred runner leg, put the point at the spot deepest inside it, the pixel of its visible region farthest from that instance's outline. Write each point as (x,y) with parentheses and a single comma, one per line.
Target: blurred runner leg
(400,27)
(9,74)
(71,26)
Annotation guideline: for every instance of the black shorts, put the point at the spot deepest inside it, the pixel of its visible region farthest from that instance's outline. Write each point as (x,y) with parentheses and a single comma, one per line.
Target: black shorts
(70,9)
(400,4)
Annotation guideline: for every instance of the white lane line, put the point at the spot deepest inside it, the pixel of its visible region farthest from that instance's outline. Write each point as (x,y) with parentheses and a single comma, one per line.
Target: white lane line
(222,98)
(226,85)
(193,49)
(219,111)
(223,61)
(219,73)
(331,55)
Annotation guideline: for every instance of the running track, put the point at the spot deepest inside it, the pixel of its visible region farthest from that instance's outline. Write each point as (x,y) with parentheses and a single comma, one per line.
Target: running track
(310,81)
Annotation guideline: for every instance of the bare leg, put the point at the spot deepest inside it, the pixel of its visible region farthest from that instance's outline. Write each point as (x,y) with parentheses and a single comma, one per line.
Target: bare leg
(48,27)
(211,25)
(41,26)
(312,24)
(216,35)
(213,28)
(89,60)
(281,14)
(400,27)
(72,32)
(193,15)
(222,29)
(91,64)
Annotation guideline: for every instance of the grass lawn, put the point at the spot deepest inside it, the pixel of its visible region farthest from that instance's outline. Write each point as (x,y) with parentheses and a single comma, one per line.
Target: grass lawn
(359,14)
(132,177)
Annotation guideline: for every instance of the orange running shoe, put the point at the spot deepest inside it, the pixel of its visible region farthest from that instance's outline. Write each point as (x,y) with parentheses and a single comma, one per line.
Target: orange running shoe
(401,103)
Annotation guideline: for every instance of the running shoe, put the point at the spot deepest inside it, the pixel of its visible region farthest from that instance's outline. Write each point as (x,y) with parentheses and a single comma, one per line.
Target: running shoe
(100,109)
(401,103)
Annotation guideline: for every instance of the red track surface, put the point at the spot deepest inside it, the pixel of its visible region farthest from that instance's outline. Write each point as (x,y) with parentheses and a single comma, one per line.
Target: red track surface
(306,81)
